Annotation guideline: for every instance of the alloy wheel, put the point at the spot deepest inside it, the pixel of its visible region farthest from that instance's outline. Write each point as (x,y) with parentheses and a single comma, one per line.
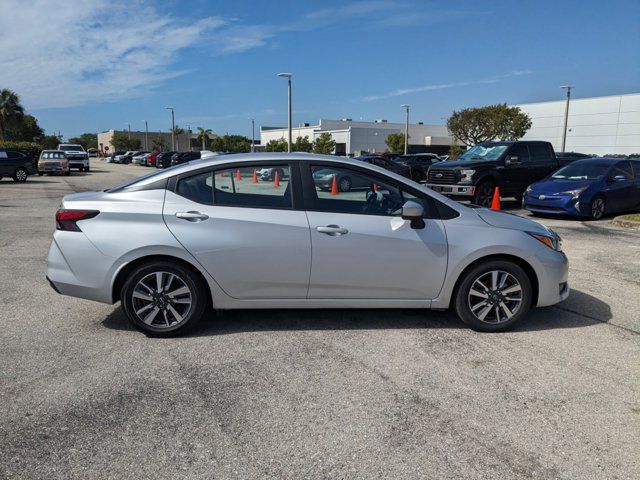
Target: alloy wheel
(21,175)
(484,195)
(345,184)
(495,297)
(162,299)
(597,208)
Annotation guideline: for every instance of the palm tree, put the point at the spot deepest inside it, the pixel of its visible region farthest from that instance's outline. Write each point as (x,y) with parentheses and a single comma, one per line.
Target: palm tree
(10,110)
(203,135)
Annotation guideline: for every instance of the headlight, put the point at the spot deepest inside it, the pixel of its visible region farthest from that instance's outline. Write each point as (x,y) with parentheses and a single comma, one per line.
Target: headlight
(466,175)
(529,189)
(574,193)
(552,240)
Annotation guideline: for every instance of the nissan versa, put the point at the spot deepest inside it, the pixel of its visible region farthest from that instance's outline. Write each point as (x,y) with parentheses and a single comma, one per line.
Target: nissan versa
(212,234)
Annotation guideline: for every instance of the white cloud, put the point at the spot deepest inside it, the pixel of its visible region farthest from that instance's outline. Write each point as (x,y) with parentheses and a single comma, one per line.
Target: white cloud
(427,88)
(63,53)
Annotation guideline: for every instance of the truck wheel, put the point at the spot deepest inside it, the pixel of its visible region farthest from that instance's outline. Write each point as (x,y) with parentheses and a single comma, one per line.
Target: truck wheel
(518,199)
(418,175)
(494,295)
(484,194)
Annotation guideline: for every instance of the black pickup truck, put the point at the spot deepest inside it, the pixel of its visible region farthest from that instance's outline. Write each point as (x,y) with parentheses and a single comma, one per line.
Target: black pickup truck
(512,166)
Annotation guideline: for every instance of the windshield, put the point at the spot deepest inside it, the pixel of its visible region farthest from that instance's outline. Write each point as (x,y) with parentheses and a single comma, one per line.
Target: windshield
(581,171)
(484,152)
(71,148)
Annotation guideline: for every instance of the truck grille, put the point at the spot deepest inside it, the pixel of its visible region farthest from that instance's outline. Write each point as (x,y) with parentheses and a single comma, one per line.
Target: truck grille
(442,175)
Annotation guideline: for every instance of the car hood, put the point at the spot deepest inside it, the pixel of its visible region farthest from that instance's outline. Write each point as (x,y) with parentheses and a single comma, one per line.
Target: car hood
(551,186)
(509,220)
(462,164)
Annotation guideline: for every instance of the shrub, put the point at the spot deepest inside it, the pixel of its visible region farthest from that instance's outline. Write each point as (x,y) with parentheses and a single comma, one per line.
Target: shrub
(31,148)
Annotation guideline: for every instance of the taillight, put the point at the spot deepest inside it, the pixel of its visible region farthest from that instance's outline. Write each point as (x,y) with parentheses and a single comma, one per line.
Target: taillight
(66,219)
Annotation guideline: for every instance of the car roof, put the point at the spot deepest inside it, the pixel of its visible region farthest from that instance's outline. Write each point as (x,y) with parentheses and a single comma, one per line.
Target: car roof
(52,151)
(599,160)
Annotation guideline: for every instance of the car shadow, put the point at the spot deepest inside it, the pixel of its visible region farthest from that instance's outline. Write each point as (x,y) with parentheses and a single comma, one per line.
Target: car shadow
(579,310)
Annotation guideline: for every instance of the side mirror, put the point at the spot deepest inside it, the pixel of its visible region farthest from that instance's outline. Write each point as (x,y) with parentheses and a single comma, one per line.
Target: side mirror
(619,178)
(512,160)
(413,211)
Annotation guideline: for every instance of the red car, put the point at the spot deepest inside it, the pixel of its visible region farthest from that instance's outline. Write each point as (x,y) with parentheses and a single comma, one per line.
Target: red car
(151,159)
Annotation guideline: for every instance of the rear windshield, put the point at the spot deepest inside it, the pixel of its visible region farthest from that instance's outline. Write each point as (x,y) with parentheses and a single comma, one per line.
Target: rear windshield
(72,148)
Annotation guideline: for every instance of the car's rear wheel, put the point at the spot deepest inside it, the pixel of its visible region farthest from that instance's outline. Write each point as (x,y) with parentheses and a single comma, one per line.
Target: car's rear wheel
(484,194)
(493,296)
(597,208)
(163,298)
(20,175)
(344,184)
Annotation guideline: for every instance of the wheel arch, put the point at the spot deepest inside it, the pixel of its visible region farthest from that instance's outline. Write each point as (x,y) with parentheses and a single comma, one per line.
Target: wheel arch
(522,263)
(123,273)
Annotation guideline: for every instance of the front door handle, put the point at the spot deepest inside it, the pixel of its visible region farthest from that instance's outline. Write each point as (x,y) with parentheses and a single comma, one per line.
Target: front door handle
(192,216)
(333,230)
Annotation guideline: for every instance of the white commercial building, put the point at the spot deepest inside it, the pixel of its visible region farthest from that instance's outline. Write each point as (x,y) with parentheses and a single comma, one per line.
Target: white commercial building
(356,137)
(598,125)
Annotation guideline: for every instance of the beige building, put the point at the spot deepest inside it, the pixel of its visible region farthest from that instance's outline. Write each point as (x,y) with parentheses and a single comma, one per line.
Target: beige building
(146,140)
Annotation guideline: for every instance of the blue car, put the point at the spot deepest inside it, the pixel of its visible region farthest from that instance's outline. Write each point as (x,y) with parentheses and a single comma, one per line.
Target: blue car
(589,188)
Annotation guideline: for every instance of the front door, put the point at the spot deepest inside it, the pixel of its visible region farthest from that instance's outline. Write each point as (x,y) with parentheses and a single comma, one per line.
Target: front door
(361,247)
(243,230)
(516,174)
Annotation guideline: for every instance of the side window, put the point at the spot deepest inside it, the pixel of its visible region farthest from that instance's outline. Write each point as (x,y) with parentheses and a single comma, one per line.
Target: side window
(521,151)
(539,152)
(255,186)
(15,155)
(427,203)
(197,188)
(347,191)
(623,168)
(636,169)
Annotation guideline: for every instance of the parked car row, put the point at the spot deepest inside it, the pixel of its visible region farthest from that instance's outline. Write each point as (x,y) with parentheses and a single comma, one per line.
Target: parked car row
(19,164)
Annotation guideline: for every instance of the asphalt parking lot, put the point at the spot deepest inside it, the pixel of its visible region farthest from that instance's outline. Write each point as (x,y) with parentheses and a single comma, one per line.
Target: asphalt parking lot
(319,393)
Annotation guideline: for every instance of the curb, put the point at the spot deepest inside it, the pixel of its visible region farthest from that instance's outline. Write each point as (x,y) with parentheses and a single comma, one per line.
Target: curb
(623,222)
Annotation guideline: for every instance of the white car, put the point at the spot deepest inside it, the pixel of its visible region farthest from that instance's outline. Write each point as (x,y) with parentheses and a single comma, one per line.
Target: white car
(76,155)
(119,158)
(208,233)
(140,158)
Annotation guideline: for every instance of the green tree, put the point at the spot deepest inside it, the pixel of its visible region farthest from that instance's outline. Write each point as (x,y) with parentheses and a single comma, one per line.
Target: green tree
(49,142)
(395,142)
(11,111)
(25,129)
(455,151)
(204,135)
(231,144)
(87,140)
(159,144)
(493,122)
(302,144)
(121,141)
(324,144)
(276,145)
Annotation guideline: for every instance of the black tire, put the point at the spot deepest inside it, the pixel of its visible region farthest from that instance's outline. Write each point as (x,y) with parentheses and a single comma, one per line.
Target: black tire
(484,194)
(186,276)
(463,298)
(344,184)
(67,173)
(86,169)
(419,175)
(597,207)
(20,175)
(518,199)
(40,174)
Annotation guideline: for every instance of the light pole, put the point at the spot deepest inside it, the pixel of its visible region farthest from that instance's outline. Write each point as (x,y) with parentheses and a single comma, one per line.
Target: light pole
(406,129)
(129,129)
(189,135)
(146,136)
(288,77)
(253,135)
(173,128)
(566,115)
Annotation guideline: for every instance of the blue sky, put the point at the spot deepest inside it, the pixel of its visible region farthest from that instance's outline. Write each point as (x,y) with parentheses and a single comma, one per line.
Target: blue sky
(98,64)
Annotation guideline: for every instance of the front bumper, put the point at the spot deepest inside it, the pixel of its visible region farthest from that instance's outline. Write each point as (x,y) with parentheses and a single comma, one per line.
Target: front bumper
(553,279)
(554,204)
(454,190)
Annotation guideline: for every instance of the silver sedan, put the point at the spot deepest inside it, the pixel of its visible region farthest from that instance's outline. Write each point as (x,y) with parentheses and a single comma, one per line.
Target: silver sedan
(216,234)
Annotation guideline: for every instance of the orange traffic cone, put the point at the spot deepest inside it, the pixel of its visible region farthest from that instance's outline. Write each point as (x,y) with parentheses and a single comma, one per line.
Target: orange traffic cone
(255,177)
(238,175)
(495,201)
(334,186)
(276,180)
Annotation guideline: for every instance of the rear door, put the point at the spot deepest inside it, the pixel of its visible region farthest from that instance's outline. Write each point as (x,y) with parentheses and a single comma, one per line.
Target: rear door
(543,161)
(362,248)
(621,193)
(249,234)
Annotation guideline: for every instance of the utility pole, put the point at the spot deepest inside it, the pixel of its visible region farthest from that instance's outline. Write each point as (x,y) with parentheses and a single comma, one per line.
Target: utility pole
(288,77)
(146,136)
(173,128)
(566,115)
(189,135)
(253,135)
(406,129)
(129,129)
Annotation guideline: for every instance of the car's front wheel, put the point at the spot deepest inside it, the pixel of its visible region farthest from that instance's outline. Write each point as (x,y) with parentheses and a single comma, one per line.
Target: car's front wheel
(163,298)
(493,295)
(597,208)
(484,194)
(344,184)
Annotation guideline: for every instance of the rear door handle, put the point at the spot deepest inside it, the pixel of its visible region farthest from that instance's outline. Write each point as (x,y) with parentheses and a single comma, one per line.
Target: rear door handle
(333,230)
(192,216)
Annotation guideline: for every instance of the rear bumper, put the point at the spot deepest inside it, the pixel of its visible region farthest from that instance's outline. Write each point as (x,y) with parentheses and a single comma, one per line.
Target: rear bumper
(455,190)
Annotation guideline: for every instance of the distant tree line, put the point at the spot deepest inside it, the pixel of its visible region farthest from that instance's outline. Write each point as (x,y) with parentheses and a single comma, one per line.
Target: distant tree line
(324,144)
